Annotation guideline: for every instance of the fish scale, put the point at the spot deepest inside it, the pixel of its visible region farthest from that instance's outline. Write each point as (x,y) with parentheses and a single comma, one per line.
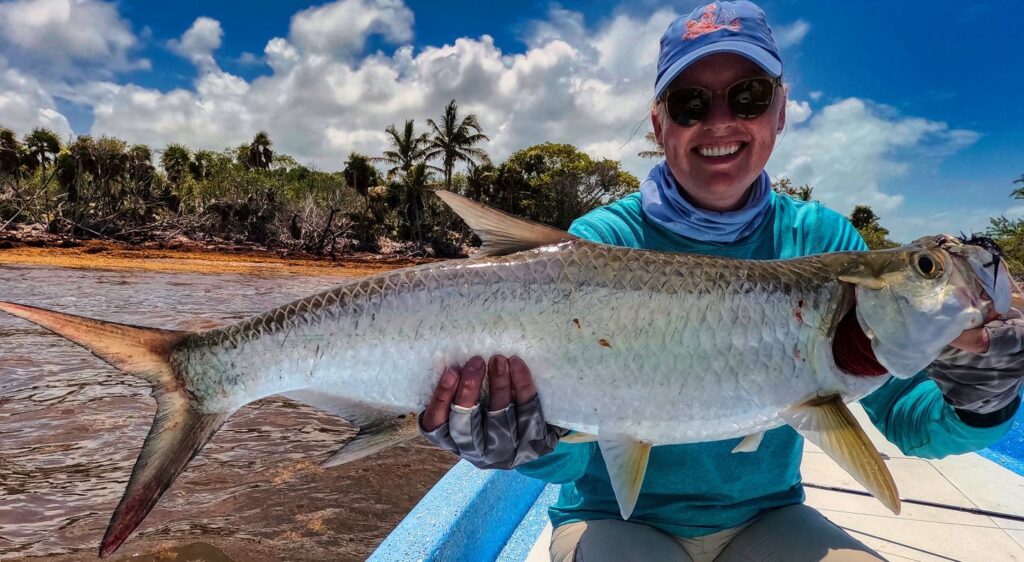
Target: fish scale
(630,347)
(720,348)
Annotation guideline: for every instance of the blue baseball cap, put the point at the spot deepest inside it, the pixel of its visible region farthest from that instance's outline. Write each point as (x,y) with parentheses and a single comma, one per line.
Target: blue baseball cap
(719,27)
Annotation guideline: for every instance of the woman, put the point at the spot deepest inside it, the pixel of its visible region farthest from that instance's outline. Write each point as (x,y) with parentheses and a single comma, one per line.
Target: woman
(720,103)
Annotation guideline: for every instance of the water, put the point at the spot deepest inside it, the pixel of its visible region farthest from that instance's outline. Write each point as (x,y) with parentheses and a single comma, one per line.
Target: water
(71,427)
(1009,451)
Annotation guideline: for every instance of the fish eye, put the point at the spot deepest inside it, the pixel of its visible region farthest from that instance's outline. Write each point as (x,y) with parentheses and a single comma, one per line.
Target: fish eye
(926,266)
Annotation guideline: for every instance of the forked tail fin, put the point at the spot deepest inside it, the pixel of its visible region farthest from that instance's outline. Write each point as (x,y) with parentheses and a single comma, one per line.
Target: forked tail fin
(181,426)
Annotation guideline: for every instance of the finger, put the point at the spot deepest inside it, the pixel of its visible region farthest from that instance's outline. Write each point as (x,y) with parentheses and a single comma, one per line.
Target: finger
(522,381)
(501,383)
(472,378)
(440,404)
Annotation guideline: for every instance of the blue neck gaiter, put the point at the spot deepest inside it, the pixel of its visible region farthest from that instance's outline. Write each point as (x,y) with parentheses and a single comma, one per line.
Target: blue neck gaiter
(664,204)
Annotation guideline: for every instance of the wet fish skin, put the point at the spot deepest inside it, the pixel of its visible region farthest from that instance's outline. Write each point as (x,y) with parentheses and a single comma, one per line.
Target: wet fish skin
(604,329)
(636,347)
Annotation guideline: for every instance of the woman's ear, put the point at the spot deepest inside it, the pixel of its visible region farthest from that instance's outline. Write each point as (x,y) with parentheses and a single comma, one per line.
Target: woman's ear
(656,122)
(782,111)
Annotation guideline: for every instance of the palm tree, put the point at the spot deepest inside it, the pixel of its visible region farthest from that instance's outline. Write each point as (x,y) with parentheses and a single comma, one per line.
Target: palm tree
(656,152)
(415,185)
(455,141)
(10,153)
(111,169)
(175,162)
(201,165)
(480,181)
(68,174)
(140,170)
(41,148)
(81,160)
(260,155)
(360,175)
(407,149)
(1019,192)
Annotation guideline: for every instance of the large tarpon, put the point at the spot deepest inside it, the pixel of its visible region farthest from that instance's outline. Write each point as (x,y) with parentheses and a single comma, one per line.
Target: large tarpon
(632,348)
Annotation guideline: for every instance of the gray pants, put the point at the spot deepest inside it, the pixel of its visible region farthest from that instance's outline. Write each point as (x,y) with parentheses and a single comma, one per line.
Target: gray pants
(792,534)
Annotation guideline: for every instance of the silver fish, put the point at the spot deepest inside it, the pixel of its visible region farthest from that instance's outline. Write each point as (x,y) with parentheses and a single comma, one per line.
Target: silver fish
(633,348)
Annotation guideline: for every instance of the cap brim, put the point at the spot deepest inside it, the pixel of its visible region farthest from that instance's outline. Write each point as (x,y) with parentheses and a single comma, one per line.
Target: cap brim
(763,58)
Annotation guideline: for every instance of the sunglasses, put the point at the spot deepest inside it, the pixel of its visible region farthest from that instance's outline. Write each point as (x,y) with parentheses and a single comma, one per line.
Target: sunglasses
(747,99)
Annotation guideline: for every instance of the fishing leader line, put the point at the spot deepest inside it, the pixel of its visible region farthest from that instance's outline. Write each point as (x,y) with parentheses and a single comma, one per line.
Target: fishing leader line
(951,507)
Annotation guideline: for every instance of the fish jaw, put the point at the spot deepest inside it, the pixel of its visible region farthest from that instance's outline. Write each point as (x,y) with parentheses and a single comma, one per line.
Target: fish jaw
(909,316)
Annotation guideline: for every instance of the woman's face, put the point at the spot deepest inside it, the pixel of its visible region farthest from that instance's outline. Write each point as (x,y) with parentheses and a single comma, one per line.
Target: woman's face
(719,183)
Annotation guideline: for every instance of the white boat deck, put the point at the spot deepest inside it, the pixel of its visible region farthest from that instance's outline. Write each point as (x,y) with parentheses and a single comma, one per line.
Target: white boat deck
(919,533)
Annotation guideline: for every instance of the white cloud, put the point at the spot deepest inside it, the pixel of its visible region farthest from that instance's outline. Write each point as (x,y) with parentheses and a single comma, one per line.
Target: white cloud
(797,111)
(249,59)
(851,150)
(588,86)
(791,34)
(816,95)
(341,28)
(319,103)
(67,38)
(25,104)
(199,42)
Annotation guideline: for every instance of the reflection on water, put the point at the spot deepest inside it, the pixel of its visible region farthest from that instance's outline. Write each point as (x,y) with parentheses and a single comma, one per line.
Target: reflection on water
(71,427)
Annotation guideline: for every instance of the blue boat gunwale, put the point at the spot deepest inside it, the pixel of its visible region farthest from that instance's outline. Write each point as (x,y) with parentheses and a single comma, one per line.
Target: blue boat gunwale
(470,515)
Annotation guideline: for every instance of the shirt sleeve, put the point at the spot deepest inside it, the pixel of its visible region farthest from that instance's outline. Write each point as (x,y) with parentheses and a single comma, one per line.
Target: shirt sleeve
(567,463)
(592,231)
(912,414)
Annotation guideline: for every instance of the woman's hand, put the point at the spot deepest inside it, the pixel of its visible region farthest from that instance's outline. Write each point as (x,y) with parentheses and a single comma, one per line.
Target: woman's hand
(512,430)
(982,371)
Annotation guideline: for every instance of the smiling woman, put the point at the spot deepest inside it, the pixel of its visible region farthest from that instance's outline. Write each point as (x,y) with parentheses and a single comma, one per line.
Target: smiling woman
(717,122)
(719,106)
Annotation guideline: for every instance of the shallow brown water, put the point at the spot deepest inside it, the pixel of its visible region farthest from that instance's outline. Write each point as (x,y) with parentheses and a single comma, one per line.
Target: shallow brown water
(71,427)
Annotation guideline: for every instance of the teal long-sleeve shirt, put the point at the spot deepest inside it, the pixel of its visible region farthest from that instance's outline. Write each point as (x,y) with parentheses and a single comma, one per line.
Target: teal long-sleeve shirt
(697,489)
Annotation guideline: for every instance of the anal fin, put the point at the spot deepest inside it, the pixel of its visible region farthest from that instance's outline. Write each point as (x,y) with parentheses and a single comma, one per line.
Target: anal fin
(828,423)
(626,459)
(378,429)
(749,444)
(375,437)
(577,437)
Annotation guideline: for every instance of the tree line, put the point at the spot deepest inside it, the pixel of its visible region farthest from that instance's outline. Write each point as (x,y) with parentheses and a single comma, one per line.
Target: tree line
(104,187)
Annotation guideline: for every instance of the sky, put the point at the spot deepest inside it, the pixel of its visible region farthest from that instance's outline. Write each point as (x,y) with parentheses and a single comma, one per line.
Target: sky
(913,108)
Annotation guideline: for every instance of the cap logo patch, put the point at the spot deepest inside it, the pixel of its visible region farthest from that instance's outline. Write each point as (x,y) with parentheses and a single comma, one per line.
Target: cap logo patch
(710,21)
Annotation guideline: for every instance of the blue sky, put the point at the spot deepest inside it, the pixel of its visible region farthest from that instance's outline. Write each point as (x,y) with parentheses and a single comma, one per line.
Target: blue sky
(916,112)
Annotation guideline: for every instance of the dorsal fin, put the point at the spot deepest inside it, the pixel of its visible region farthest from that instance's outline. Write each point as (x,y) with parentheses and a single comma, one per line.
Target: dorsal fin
(501,232)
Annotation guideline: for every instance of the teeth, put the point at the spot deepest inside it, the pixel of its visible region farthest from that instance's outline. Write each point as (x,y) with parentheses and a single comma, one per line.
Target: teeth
(724,150)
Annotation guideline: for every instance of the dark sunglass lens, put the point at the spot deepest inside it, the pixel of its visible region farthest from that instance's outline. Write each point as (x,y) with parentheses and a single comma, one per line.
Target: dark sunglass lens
(750,98)
(687,106)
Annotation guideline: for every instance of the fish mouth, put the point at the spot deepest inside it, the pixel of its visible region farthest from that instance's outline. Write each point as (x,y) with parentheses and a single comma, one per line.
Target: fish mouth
(851,348)
(852,352)
(979,260)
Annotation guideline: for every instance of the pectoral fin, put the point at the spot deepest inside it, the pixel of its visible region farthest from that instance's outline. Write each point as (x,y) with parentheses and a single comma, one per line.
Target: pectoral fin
(578,437)
(864,280)
(626,460)
(749,444)
(830,425)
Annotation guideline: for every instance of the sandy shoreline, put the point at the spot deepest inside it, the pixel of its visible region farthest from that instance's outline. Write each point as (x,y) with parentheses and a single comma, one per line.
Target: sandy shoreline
(187,258)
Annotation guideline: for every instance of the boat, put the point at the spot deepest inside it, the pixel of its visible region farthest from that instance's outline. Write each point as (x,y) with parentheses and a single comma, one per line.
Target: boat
(965,507)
